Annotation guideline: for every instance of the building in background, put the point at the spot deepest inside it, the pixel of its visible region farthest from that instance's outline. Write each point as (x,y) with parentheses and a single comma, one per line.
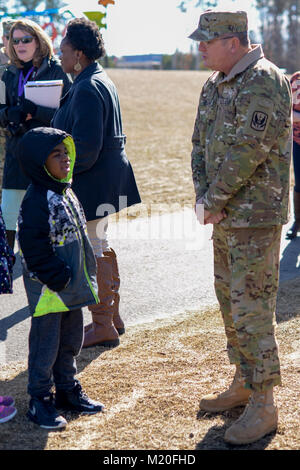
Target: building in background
(144,61)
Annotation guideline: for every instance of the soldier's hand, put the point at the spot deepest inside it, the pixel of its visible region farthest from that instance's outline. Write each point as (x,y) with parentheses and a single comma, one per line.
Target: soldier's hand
(205,217)
(214,218)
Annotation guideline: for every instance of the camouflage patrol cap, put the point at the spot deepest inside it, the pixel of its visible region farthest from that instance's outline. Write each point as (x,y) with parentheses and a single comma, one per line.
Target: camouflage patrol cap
(216,24)
(6,26)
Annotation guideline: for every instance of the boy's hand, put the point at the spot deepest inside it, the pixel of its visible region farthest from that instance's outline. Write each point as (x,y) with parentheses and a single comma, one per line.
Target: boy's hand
(61,280)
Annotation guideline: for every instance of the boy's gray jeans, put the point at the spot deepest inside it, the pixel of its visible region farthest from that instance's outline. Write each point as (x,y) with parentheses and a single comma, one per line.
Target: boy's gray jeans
(55,340)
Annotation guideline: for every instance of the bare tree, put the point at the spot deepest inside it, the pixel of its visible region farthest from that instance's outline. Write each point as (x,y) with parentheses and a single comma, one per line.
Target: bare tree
(280,31)
(293,41)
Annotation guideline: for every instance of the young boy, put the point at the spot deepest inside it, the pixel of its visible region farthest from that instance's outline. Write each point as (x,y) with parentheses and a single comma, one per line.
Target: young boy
(59,271)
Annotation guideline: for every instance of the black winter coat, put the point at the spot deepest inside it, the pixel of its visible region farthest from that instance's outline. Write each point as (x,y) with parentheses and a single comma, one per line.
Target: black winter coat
(50,69)
(103,179)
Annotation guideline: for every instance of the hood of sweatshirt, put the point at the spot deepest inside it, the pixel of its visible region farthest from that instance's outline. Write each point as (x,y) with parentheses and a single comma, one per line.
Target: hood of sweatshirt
(33,151)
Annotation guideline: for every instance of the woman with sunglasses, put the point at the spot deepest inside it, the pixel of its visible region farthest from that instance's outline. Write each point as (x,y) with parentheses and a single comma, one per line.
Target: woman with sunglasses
(31,58)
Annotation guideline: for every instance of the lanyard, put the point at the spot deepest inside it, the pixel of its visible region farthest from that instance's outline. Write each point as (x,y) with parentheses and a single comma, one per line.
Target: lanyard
(23,81)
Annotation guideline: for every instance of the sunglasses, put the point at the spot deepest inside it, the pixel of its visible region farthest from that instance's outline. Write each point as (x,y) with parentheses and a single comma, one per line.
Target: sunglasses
(23,40)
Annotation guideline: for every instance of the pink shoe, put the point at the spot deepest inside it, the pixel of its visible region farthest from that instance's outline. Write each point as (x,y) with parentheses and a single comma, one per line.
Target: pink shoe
(7,413)
(7,401)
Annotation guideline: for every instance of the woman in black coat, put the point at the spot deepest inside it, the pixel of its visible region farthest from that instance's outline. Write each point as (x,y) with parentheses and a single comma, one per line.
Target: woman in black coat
(31,58)
(103,178)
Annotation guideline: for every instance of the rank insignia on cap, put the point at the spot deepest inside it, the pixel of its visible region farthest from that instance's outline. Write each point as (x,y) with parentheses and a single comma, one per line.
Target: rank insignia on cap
(259,121)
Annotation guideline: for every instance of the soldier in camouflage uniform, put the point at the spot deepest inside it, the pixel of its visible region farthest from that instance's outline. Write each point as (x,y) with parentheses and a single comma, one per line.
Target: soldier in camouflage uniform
(240,164)
(4,59)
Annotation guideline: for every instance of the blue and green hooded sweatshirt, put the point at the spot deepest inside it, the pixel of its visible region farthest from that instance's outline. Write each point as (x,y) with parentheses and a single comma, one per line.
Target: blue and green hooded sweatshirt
(59,266)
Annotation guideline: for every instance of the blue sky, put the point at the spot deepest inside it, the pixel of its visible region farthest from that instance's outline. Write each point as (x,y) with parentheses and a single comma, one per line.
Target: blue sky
(151,26)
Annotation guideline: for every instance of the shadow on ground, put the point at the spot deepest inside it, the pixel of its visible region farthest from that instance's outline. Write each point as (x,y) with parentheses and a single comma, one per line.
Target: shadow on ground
(17,387)
(290,260)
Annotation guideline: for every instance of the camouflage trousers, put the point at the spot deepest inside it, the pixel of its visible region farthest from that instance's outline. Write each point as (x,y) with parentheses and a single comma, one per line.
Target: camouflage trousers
(246,272)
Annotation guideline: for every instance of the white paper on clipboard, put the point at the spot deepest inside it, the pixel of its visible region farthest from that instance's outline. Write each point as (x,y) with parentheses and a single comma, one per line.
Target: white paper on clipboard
(44,93)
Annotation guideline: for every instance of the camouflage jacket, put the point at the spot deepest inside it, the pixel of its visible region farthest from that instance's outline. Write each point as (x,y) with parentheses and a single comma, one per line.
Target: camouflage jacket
(4,59)
(242,143)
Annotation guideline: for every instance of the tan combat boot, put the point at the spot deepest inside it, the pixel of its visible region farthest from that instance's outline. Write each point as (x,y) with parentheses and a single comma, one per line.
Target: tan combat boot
(236,395)
(102,331)
(259,418)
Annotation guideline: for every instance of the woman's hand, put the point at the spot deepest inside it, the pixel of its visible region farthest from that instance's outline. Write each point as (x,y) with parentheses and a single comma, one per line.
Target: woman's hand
(28,108)
(15,115)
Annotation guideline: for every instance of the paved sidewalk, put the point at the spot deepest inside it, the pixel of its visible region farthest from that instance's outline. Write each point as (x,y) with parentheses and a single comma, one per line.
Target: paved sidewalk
(166,266)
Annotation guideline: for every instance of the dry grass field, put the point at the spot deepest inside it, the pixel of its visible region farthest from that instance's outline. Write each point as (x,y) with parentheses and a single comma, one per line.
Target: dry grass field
(151,384)
(159,109)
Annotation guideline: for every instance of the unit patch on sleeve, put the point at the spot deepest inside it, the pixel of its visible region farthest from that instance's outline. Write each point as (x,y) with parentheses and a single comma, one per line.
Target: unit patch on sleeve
(259,115)
(259,121)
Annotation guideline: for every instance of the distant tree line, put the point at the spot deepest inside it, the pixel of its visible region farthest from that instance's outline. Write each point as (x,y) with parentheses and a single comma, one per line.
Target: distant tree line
(280,32)
(182,60)
(177,61)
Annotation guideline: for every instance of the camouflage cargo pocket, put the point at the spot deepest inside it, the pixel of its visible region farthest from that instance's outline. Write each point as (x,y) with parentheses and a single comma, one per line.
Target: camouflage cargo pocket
(256,259)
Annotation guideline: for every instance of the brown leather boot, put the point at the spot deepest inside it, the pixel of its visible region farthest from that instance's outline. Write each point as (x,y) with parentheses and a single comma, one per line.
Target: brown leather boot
(102,331)
(236,395)
(118,322)
(295,228)
(259,418)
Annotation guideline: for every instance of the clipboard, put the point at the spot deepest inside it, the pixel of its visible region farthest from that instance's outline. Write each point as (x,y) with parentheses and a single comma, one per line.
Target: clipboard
(44,93)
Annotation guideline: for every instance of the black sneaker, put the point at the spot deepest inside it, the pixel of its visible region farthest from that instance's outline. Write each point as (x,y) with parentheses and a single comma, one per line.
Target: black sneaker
(43,412)
(76,400)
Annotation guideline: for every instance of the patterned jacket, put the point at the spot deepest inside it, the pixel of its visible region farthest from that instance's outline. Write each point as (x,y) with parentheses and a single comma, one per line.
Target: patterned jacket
(59,266)
(242,143)
(295,84)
